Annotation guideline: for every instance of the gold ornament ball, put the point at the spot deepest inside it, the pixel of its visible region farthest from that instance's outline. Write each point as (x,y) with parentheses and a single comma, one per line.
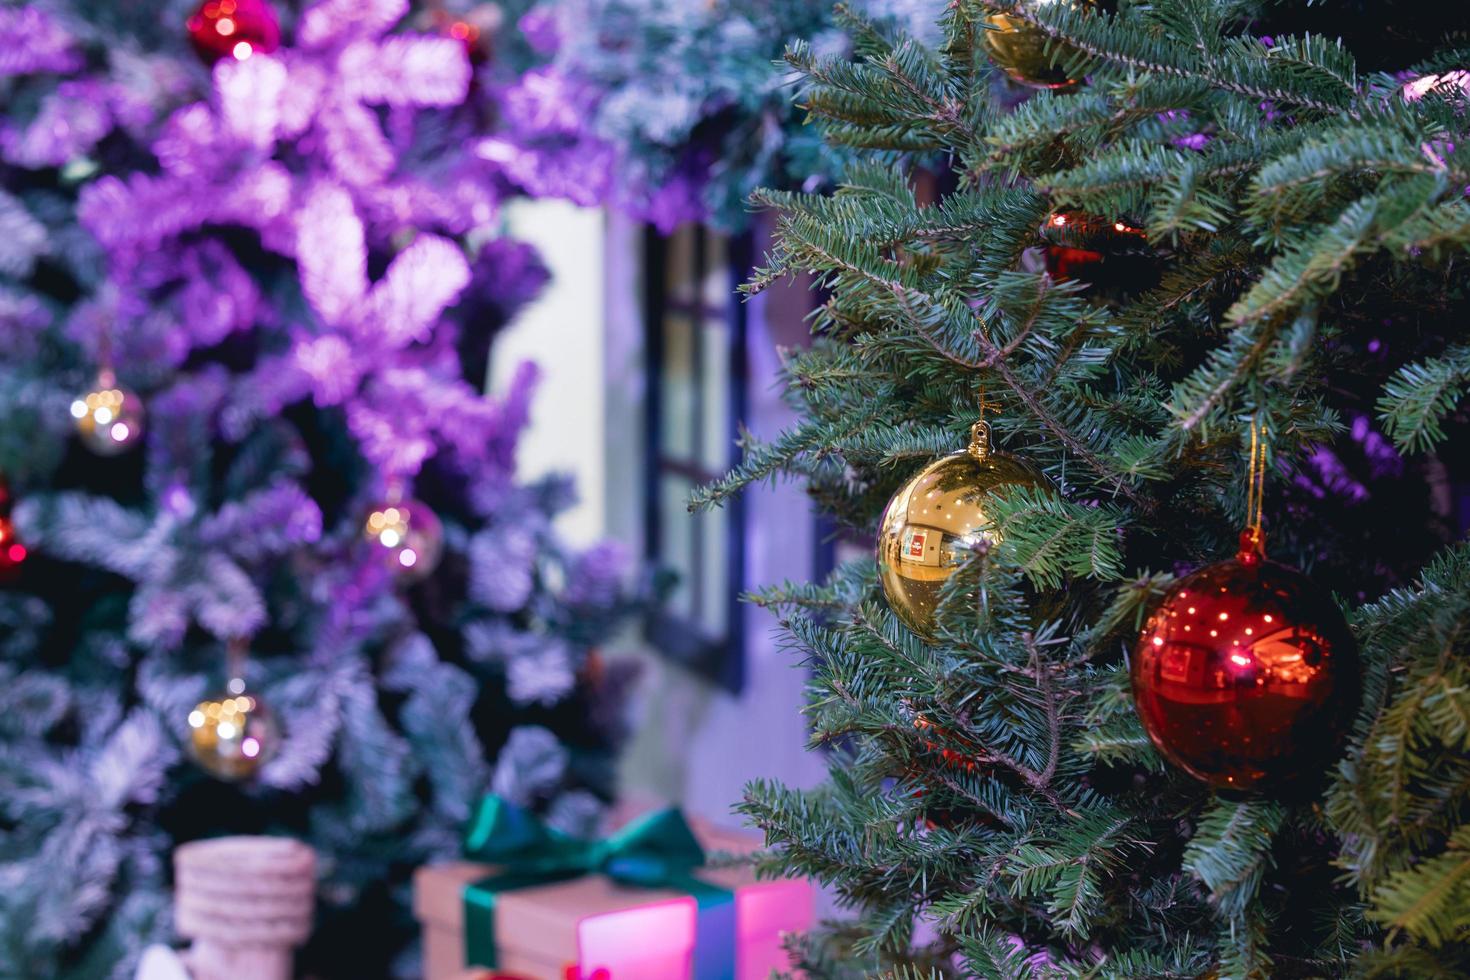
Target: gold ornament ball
(936,518)
(109,418)
(409,536)
(232,735)
(1019,48)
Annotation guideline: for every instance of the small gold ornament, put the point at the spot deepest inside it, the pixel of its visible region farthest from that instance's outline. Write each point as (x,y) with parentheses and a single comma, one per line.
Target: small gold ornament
(231,735)
(934,520)
(1019,48)
(408,534)
(109,418)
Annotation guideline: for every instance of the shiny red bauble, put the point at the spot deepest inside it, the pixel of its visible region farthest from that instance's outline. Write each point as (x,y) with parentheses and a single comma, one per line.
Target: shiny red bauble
(1246,676)
(234,29)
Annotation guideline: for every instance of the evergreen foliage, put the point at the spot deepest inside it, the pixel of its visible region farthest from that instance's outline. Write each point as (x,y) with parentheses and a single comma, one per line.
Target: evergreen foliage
(993,807)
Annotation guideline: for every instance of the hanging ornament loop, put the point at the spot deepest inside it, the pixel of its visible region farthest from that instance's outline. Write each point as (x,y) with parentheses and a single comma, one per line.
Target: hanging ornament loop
(980,440)
(1253,538)
(235,653)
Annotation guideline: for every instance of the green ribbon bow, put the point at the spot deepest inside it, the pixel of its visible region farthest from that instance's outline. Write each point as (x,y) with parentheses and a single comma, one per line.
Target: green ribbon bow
(658,850)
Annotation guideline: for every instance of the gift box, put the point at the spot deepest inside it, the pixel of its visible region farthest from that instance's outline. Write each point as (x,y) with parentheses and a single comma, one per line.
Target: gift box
(635,906)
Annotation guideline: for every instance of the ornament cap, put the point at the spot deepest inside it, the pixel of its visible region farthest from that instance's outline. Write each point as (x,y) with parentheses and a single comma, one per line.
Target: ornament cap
(980,439)
(1252,546)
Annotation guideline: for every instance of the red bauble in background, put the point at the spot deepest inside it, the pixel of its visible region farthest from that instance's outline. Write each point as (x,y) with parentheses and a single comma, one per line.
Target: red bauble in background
(1112,255)
(234,29)
(12,552)
(1246,676)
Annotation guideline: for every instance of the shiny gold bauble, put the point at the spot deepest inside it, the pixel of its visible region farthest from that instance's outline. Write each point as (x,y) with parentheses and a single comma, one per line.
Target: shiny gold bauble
(936,519)
(1019,48)
(109,418)
(232,735)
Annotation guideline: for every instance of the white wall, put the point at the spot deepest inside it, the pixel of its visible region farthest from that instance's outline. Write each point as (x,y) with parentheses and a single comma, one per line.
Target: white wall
(562,331)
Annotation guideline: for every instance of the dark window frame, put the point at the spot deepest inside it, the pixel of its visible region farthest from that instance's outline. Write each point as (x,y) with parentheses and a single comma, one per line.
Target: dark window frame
(720,658)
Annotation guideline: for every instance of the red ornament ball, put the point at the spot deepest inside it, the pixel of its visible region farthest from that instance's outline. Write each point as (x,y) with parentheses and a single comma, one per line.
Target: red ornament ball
(234,29)
(1246,676)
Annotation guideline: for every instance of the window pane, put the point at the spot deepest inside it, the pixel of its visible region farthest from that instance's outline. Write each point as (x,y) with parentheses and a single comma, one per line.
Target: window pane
(679,388)
(716,285)
(716,450)
(714,596)
(681,264)
(676,534)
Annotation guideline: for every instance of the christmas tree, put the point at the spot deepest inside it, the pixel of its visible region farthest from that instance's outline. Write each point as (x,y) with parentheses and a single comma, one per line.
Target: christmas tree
(1192,262)
(251,267)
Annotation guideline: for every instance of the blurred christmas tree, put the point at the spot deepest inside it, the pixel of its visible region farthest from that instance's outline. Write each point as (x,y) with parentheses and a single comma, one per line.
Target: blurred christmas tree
(675,108)
(291,261)
(1177,250)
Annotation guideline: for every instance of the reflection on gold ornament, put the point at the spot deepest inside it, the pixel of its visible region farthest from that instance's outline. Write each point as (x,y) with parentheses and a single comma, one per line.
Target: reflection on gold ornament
(1246,676)
(408,534)
(233,734)
(1021,49)
(109,418)
(936,519)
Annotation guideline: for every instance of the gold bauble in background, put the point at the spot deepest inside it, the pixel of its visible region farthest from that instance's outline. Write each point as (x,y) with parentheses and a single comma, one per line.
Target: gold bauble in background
(1019,48)
(232,735)
(408,536)
(109,418)
(936,518)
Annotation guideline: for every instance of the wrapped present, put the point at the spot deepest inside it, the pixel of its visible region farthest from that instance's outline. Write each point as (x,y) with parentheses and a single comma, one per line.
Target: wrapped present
(638,905)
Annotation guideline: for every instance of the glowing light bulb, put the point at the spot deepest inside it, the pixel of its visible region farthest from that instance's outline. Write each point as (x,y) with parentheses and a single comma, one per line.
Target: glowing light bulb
(196,719)
(242,50)
(390,538)
(250,748)
(78,409)
(120,432)
(103,415)
(226,730)
(225,26)
(407,558)
(1158,641)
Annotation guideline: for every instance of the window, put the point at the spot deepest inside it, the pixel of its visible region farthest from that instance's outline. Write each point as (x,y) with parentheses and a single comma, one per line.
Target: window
(695,348)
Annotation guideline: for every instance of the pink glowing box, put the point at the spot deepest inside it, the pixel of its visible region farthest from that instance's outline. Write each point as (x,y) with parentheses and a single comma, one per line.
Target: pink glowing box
(592,928)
